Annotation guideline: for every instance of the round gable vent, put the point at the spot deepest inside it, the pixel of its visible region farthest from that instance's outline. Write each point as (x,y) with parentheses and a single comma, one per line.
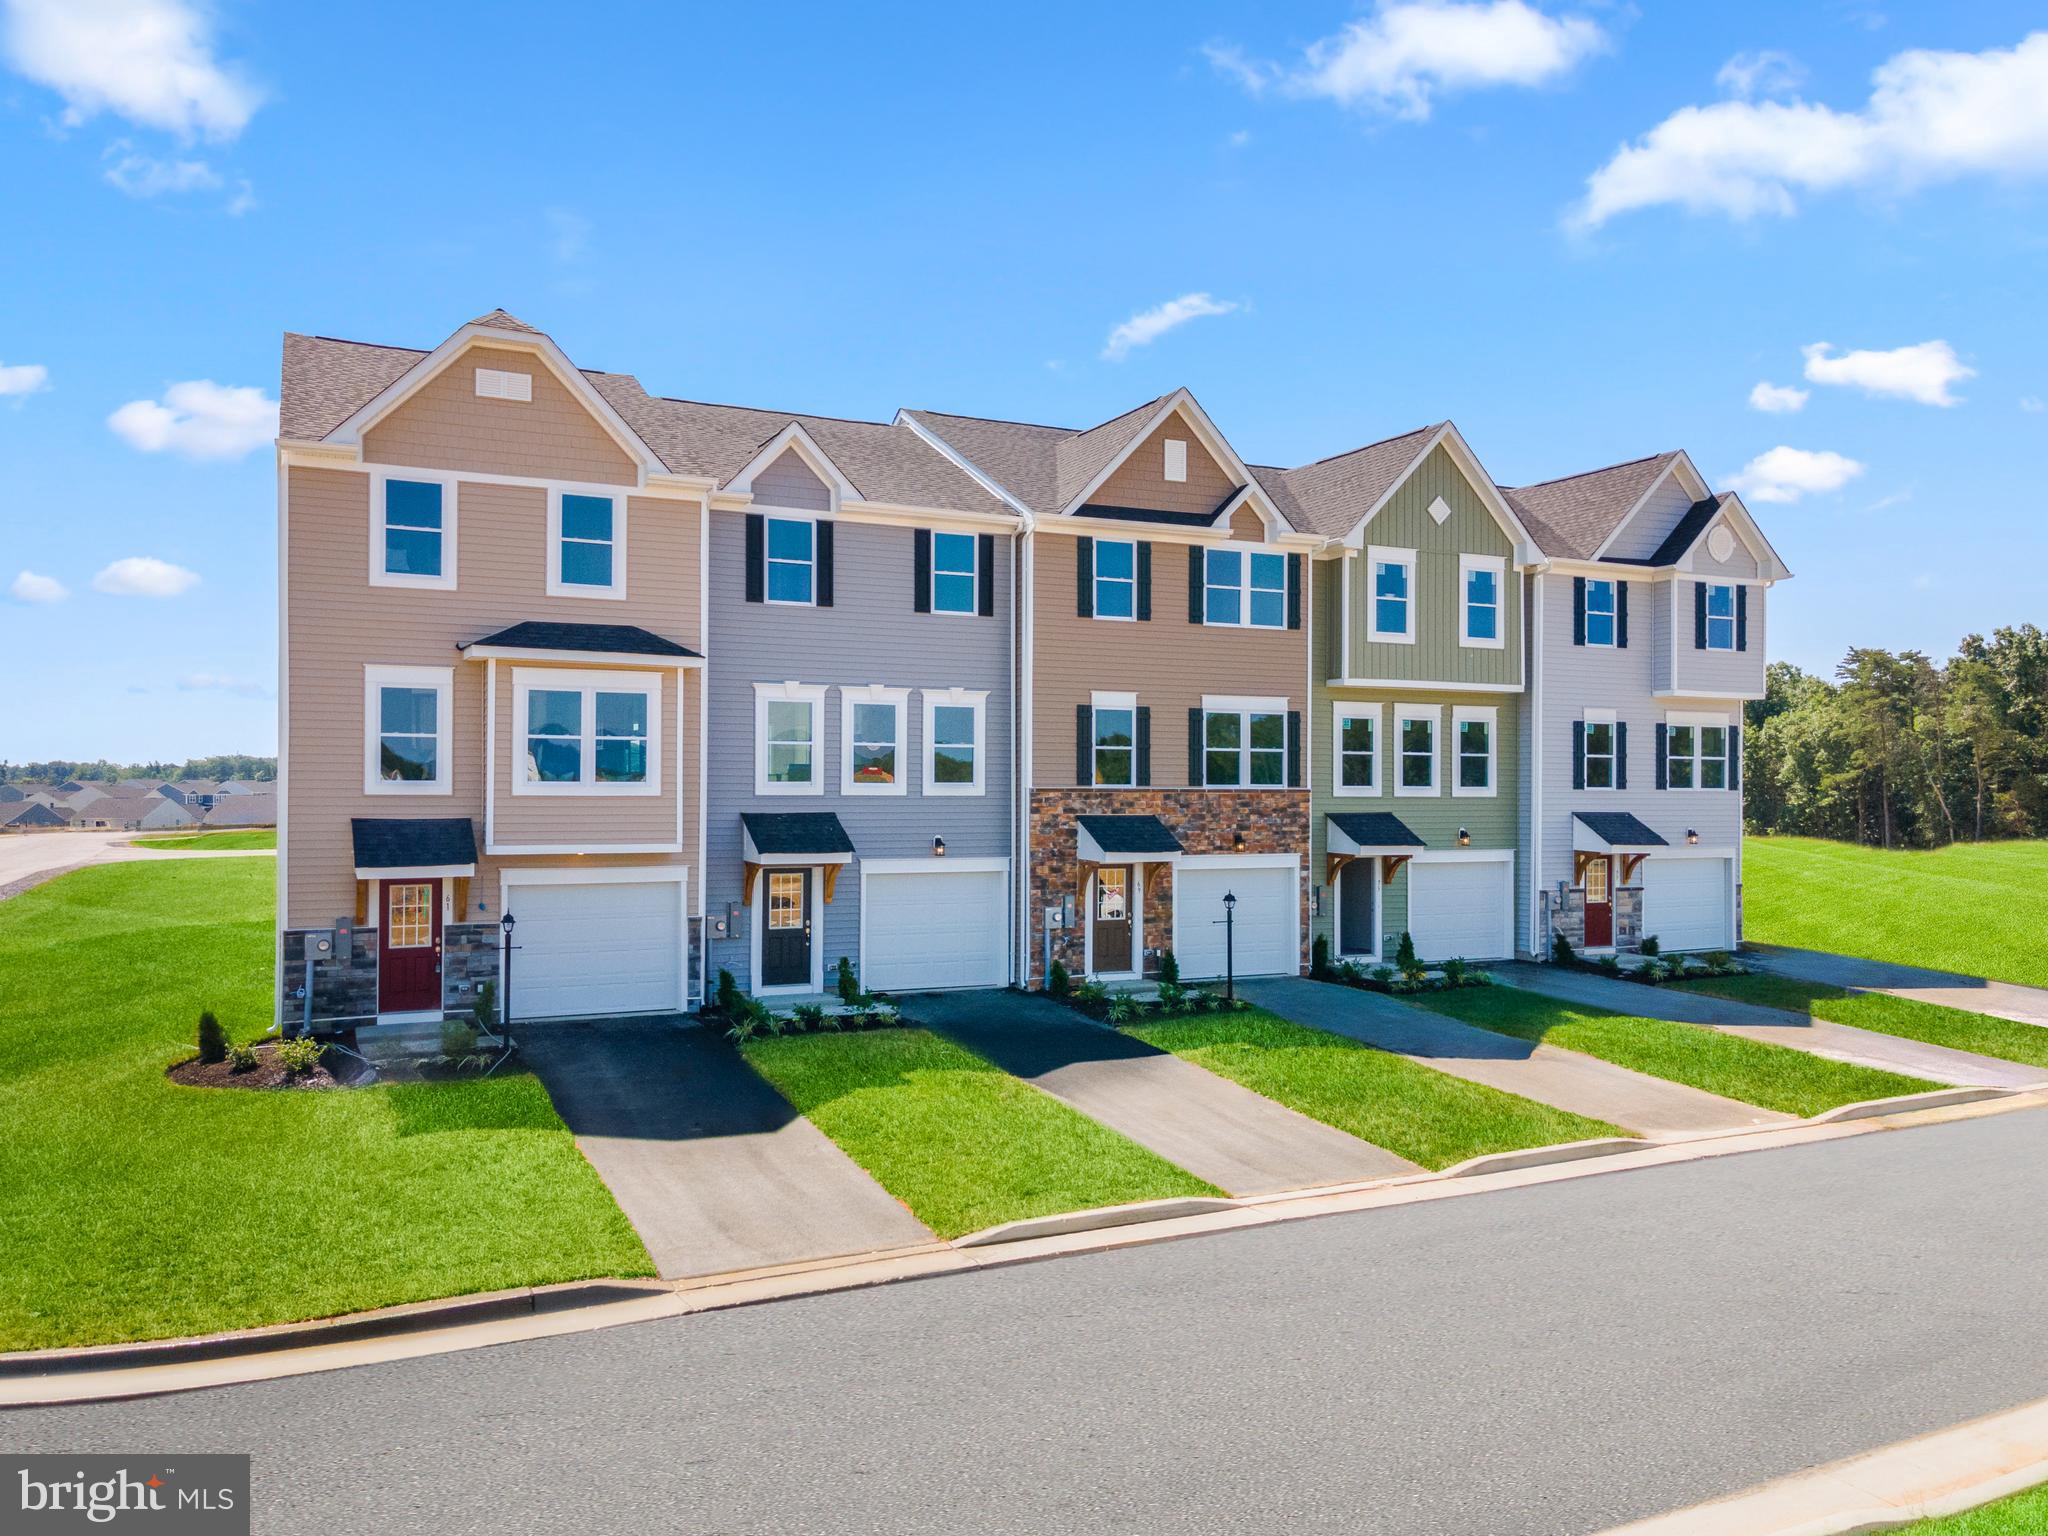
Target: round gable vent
(1721,543)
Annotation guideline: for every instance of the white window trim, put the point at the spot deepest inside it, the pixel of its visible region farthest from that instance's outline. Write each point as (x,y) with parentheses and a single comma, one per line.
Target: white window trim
(1434,714)
(798,693)
(975,699)
(1490,717)
(1245,552)
(1696,722)
(1342,710)
(1096,579)
(526,680)
(873,693)
(1498,565)
(1377,555)
(768,561)
(378,677)
(560,588)
(973,608)
(1244,707)
(1098,702)
(379,577)
(1733,610)
(1614,641)
(1591,718)
(1174,459)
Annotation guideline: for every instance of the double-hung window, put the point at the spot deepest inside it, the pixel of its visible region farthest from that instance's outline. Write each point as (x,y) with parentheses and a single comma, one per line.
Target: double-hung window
(1116,579)
(789,744)
(1244,747)
(412,532)
(872,729)
(1473,729)
(1391,598)
(587,536)
(407,718)
(953,573)
(593,733)
(1720,617)
(792,560)
(1356,730)
(1482,604)
(1415,749)
(1115,750)
(952,741)
(1600,621)
(1245,588)
(1696,756)
(1600,744)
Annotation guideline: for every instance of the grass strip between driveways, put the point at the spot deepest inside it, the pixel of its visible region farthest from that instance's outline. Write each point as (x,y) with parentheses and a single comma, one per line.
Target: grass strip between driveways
(209,842)
(1772,1076)
(1413,1111)
(134,1208)
(962,1143)
(1906,1017)
(2024,1514)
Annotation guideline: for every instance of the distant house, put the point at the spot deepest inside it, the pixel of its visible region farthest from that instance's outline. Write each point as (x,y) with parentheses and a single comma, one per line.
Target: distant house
(195,793)
(30,816)
(82,795)
(248,787)
(164,814)
(9,795)
(243,810)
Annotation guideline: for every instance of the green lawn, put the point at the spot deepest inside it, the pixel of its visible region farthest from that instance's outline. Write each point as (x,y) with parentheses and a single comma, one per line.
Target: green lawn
(1903,1016)
(135,1208)
(1772,1076)
(960,1142)
(247,837)
(1977,908)
(2024,1514)
(1413,1111)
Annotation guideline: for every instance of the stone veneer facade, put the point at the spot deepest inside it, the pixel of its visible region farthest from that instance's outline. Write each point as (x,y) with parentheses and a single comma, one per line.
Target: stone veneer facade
(345,991)
(1568,917)
(1205,820)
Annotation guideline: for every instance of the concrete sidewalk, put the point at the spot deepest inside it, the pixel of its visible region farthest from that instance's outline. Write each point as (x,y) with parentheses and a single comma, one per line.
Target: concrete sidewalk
(1976,994)
(711,1165)
(1818,1037)
(1217,1130)
(1568,1080)
(28,860)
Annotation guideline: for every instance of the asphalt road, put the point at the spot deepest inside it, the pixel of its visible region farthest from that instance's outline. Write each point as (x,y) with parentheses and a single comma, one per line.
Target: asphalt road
(1549,1360)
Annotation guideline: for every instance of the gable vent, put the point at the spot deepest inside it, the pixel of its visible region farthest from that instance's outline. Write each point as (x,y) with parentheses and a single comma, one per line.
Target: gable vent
(496,384)
(1176,459)
(1439,510)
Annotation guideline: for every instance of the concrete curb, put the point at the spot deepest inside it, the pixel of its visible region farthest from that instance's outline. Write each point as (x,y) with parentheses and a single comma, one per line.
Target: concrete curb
(1094,1220)
(1538,1157)
(1938,1474)
(1906,1103)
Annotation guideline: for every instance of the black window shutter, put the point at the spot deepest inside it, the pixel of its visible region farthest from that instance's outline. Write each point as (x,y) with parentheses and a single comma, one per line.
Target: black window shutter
(985,565)
(1742,618)
(1621,754)
(1144,773)
(1144,580)
(1294,591)
(757,557)
(1662,749)
(1294,747)
(1735,756)
(824,564)
(1578,610)
(1699,616)
(921,570)
(1084,744)
(1195,745)
(1084,577)
(1621,615)
(1578,754)
(1194,583)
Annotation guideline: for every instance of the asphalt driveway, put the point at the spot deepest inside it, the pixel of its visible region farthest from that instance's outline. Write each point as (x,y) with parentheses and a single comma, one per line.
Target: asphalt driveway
(1217,1130)
(1563,1079)
(2000,999)
(711,1165)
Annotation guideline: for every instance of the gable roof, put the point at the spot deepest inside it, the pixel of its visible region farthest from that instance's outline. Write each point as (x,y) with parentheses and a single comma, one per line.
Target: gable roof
(1334,493)
(1572,517)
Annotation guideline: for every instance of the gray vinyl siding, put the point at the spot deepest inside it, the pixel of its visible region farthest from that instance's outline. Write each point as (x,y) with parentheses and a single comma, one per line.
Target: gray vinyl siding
(790,482)
(1739,674)
(1657,623)
(869,635)
(1740,565)
(1653,522)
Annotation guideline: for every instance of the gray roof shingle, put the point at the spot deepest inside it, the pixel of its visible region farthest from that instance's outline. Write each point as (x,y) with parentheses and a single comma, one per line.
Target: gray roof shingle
(1130,834)
(1572,517)
(412,842)
(1334,493)
(615,639)
(796,832)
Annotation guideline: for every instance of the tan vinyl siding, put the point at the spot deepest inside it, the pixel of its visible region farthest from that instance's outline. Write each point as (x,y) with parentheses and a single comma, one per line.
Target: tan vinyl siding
(445,426)
(1245,523)
(1140,481)
(1167,661)
(572,820)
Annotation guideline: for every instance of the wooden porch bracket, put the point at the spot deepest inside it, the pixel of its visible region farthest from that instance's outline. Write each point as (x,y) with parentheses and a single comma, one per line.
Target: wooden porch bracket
(1390,866)
(1152,874)
(362,903)
(1630,863)
(831,878)
(752,872)
(1333,864)
(462,898)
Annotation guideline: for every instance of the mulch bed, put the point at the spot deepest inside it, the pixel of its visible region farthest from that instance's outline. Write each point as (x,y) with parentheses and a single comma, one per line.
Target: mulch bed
(269,1072)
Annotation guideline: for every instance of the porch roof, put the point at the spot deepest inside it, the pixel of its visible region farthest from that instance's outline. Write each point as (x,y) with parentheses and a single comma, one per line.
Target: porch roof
(1364,834)
(1136,839)
(1611,832)
(441,844)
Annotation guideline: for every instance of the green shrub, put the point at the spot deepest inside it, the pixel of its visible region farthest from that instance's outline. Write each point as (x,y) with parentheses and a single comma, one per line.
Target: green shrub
(485,1010)
(749,1017)
(729,1002)
(1169,968)
(1383,974)
(300,1055)
(1455,972)
(1126,1009)
(845,982)
(213,1040)
(1649,944)
(1608,965)
(242,1058)
(1561,951)
(1404,957)
(806,1018)
(1652,971)
(1319,956)
(458,1038)
(1089,993)
(1057,982)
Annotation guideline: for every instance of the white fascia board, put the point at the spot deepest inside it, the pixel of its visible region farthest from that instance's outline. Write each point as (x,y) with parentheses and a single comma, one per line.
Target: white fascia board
(629,659)
(415,872)
(965,465)
(1198,419)
(807,449)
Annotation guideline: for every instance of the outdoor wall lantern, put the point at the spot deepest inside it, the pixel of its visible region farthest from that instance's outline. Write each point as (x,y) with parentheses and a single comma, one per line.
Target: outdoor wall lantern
(1464,838)
(1237,840)
(1692,836)
(938,847)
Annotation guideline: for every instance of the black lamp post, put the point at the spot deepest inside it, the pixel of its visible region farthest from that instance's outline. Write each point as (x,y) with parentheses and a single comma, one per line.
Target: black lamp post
(505,964)
(1229,946)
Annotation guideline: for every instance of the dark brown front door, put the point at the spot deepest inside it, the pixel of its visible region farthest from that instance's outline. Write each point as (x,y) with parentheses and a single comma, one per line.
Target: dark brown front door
(1358,892)
(1599,903)
(1113,946)
(786,937)
(409,947)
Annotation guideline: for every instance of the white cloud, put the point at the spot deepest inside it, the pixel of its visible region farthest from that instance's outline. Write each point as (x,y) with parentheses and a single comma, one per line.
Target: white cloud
(1778,399)
(1396,60)
(243,200)
(1240,138)
(199,419)
(1922,372)
(23,379)
(144,576)
(1931,117)
(1786,474)
(31,588)
(1143,329)
(1766,72)
(141,175)
(214,682)
(568,235)
(2032,404)
(149,61)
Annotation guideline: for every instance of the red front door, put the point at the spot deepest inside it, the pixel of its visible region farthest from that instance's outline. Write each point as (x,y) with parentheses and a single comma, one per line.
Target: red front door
(409,947)
(1599,903)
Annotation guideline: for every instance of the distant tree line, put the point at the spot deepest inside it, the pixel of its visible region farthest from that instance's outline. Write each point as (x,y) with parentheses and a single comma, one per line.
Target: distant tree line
(1901,751)
(228,765)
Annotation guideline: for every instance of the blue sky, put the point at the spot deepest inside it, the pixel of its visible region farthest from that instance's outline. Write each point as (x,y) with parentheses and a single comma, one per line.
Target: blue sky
(1397,213)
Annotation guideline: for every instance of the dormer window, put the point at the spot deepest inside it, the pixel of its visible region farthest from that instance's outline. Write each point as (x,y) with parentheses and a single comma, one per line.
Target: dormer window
(792,560)
(587,539)
(1245,589)
(1599,612)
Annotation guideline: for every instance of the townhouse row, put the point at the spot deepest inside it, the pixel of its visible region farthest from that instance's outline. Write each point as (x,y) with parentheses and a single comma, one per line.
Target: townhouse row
(619,691)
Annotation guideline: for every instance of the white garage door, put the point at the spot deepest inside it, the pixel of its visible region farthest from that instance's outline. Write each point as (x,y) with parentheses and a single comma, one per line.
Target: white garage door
(1462,910)
(929,930)
(586,950)
(1685,903)
(1265,930)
